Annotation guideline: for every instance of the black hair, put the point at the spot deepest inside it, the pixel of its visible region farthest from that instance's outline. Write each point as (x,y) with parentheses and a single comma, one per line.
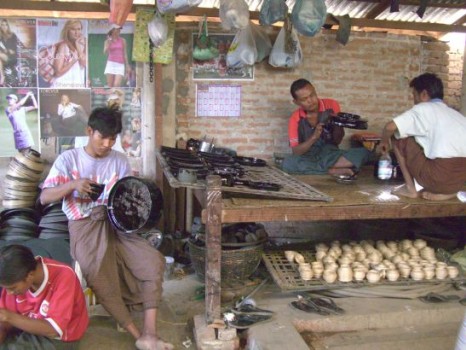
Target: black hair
(298,85)
(429,82)
(106,120)
(16,261)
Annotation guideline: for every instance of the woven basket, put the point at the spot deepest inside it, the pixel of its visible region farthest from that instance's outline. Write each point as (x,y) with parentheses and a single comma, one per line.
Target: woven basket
(237,264)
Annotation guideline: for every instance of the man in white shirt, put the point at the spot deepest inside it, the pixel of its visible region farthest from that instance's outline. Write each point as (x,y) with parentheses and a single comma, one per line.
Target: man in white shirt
(429,143)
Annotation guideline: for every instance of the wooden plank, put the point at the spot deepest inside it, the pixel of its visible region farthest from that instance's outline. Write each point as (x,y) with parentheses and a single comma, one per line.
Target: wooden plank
(213,248)
(418,26)
(367,198)
(357,212)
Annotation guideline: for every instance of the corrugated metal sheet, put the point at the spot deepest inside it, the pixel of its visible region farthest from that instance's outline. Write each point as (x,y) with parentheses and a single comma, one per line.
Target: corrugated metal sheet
(432,15)
(438,11)
(360,9)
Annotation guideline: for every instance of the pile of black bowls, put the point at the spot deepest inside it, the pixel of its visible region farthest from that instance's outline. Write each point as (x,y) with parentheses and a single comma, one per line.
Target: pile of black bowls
(19,224)
(53,222)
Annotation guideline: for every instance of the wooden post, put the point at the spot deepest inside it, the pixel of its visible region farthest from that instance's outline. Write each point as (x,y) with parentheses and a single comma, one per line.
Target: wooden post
(213,247)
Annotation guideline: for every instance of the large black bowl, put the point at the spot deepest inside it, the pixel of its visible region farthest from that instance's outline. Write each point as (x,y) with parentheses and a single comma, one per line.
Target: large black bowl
(134,205)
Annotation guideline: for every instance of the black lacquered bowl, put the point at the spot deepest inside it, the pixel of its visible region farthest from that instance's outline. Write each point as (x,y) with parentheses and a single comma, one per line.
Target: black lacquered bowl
(134,205)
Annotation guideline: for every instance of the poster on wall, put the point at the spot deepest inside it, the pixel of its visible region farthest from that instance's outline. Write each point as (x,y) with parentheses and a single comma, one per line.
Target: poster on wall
(218,100)
(214,66)
(129,101)
(64,112)
(19,124)
(18,64)
(110,63)
(62,53)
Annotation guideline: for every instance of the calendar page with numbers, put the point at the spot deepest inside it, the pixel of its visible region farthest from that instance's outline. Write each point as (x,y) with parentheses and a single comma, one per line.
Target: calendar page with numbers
(218,100)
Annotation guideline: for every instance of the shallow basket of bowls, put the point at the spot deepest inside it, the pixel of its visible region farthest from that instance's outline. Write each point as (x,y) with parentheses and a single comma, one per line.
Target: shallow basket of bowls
(237,264)
(134,205)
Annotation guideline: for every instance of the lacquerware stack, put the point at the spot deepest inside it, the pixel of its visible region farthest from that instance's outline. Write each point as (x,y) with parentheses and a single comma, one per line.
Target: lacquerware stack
(53,222)
(368,262)
(22,180)
(18,224)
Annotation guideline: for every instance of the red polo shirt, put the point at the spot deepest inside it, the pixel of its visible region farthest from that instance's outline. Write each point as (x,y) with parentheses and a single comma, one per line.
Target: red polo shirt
(59,300)
(324,104)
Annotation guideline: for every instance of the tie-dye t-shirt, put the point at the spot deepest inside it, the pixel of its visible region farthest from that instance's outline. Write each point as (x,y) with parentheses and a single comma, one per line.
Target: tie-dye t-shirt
(77,164)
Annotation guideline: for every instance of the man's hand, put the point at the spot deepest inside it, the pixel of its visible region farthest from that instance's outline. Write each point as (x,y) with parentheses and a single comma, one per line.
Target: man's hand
(83,186)
(54,194)
(34,326)
(4,330)
(387,133)
(383,147)
(5,315)
(317,132)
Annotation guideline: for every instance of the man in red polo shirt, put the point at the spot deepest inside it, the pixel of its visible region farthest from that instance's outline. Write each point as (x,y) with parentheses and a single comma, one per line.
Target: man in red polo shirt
(315,147)
(42,305)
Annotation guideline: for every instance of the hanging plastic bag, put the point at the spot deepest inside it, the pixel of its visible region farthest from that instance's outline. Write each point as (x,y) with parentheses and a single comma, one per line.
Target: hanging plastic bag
(242,50)
(272,11)
(262,40)
(204,49)
(234,14)
(286,51)
(176,6)
(158,30)
(308,17)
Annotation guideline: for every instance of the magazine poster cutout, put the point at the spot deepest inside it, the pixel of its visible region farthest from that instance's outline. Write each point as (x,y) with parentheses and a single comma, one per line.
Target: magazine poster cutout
(18,62)
(62,52)
(19,125)
(101,69)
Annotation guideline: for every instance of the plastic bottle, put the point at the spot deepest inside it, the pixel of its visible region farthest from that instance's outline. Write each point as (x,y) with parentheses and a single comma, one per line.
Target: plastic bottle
(385,167)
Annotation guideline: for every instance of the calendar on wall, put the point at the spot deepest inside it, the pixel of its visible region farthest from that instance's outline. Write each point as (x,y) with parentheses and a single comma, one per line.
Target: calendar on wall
(218,100)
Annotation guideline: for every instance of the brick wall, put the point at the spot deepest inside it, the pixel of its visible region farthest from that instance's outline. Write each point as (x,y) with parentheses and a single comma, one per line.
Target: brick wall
(369,76)
(438,57)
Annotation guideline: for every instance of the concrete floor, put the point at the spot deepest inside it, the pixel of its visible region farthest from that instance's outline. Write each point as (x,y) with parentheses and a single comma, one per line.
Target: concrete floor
(369,323)
(173,322)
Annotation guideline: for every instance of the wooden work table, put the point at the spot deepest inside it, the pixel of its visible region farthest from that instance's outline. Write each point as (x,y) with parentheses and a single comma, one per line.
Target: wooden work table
(366,198)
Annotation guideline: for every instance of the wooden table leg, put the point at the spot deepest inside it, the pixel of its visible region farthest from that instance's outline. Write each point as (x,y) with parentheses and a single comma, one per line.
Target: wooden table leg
(189,210)
(213,247)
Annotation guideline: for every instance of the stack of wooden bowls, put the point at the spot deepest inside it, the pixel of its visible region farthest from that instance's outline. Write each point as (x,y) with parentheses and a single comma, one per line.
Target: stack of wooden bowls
(22,180)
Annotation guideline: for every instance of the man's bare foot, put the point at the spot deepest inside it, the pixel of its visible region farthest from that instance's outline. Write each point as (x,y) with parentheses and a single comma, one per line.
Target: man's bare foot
(151,342)
(405,192)
(341,171)
(437,196)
